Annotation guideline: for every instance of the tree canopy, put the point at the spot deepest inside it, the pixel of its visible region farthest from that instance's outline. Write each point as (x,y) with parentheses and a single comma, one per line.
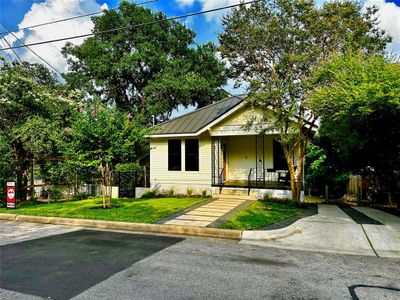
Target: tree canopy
(273,46)
(33,106)
(358,99)
(100,138)
(151,69)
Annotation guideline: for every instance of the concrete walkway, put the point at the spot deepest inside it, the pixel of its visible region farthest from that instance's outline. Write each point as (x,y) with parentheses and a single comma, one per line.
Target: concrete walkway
(386,238)
(206,214)
(381,216)
(331,230)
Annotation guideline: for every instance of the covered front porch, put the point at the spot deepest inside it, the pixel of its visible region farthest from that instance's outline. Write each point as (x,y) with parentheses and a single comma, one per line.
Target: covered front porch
(249,161)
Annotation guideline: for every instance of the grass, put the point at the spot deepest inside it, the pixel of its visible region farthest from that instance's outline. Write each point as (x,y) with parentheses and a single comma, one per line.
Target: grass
(314,199)
(260,214)
(128,210)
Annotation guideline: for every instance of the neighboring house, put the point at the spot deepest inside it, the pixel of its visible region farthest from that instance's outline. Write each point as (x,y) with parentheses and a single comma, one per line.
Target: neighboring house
(210,150)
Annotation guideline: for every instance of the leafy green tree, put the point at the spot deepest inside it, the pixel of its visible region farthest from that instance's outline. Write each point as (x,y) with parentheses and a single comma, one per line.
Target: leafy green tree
(33,106)
(148,69)
(358,99)
(102,137)
(274,45)
(6,166)
(324,168)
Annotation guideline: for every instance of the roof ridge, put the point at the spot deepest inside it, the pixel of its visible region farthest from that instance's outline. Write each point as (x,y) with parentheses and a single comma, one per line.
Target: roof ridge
(201,108)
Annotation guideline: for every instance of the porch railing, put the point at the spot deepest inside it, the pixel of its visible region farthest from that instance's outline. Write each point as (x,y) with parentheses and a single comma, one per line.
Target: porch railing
(270,176)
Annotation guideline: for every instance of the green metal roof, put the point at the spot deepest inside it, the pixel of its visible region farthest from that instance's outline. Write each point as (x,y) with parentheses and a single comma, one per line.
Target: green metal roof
(194,121)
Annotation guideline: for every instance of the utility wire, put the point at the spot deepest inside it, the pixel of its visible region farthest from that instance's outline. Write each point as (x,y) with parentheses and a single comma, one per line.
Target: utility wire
(27,47)
(75,17)
(15,53)
(133,26)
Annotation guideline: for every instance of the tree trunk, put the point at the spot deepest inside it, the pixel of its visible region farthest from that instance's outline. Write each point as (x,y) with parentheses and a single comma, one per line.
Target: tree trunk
(296,179)
(106,176)
(290,163)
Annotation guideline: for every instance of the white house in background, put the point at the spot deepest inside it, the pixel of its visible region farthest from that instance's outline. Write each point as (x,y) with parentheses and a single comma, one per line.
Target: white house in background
(210,150)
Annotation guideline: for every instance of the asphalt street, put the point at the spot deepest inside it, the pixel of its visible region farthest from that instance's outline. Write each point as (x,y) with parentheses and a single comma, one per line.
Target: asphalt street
(88,264)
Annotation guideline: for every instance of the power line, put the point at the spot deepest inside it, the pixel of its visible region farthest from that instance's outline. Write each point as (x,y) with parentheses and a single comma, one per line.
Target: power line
(27,47)
(15,53)
(134,26)
(75,17)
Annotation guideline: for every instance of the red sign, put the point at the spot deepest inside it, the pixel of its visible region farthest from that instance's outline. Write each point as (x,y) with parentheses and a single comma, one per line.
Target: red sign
(11,195)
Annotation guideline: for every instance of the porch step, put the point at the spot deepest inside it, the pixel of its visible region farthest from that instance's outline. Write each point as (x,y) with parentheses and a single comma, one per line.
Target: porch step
(234,193)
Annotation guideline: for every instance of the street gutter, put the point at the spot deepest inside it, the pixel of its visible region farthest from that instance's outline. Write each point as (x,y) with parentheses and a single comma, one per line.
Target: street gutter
(138,227)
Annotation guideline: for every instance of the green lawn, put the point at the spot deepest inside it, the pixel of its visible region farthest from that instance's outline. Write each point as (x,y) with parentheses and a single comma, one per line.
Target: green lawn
(129,210)
(260,214)
(314,199)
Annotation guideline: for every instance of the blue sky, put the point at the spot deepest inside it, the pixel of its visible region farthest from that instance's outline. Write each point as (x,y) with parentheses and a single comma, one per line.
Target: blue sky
(12,13)
(15,12)
(22,13)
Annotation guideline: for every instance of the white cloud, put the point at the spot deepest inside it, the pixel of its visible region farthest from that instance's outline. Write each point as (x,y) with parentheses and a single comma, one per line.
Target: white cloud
(210,4)
(48,11)
(185,3)
(389,17)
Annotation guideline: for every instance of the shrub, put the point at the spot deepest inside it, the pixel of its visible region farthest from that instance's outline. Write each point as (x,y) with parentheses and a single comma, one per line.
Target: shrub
(80,196)
(148,194)
(204,194)
(189,192)
(267,197)
(151,194)
(170,192)
(55,194)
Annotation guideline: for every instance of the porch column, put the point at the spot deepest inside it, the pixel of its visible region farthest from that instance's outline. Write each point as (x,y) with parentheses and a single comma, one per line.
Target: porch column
(215,160)
(260,164)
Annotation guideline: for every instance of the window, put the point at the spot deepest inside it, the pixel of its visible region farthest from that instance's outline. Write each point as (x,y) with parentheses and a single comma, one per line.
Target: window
(279,157)
(192,155)
(174,155)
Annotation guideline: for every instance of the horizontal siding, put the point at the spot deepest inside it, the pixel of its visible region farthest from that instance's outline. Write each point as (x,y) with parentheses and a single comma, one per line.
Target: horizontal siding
(241,156)
(234,124)
(159,173)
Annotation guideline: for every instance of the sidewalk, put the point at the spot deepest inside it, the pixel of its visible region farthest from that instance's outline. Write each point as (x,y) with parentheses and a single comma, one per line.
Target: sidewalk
(331,230)
(207,213)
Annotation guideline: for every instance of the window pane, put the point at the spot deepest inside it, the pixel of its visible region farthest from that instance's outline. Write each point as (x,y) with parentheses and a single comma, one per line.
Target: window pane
(192,155)
(174,155)
(279,157)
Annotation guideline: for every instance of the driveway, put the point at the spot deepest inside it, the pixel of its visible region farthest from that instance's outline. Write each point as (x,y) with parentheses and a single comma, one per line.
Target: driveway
(332,230)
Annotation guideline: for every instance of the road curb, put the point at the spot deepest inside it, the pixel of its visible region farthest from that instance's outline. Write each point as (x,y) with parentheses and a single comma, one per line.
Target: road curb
(142,227)
(8,217)
(270,235)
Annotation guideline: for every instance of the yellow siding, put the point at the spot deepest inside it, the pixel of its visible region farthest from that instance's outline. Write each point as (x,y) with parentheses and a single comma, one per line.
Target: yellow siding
(242,155)
(159,174)
(234,124)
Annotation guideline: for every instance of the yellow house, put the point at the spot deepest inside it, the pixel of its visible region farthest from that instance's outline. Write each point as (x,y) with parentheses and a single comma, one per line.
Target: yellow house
(210,150)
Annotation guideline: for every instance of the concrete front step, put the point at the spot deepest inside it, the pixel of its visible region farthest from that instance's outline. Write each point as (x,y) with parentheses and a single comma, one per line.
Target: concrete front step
(234,193)
(238,197)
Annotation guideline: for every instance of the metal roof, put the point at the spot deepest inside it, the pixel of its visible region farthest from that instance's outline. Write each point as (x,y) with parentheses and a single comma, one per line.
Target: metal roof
(194,121)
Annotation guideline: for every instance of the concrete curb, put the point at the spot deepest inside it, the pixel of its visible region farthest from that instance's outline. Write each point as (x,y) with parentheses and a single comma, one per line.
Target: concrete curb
(270,235)
(170,229)
(8,217)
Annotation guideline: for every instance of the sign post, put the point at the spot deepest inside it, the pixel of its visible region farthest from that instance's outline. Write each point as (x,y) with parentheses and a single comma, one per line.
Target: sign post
(11,203)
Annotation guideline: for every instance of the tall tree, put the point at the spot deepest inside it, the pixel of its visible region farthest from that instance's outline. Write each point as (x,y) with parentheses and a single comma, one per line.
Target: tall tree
(151,69)
(274,45)
(358,99)
(33,105)
(102,137)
